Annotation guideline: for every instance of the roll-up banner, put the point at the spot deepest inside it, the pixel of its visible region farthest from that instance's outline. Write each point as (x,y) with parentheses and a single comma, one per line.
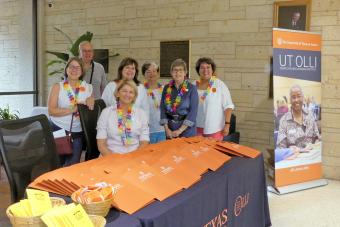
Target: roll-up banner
(297,106)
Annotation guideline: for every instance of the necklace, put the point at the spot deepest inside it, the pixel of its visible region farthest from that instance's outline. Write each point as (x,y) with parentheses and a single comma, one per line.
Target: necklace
(172,106)
(209,88)
(73,98)
(124,128)
(152,95)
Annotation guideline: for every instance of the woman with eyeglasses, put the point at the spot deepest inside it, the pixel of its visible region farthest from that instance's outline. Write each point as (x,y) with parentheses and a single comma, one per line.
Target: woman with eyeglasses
(62,106)
(150,70)
(127,70)
(179,103)
(122,128)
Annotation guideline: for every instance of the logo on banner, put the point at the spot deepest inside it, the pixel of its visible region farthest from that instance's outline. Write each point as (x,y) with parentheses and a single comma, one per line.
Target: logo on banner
(298,62)
(240,203)
(219,221)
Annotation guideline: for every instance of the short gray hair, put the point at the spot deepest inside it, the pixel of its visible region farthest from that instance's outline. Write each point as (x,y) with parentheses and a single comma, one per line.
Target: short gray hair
(295,86)
(82,44)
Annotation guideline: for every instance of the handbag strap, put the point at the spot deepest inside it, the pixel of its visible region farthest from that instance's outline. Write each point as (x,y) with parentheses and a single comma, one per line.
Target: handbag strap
(92,72)
(71,123)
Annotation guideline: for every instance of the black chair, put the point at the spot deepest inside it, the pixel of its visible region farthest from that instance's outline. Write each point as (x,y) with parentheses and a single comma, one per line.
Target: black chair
(88,119)
(27,150)
(233,136)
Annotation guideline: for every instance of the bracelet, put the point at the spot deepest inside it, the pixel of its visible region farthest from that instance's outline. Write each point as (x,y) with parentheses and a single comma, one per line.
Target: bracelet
(227,123)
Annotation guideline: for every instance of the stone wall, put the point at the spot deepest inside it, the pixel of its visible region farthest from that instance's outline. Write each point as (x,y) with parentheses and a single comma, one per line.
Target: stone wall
(235,33)
(326,20)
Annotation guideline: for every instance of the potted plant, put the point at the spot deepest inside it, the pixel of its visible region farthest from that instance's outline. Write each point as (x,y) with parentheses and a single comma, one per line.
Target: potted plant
(73,50)
(7,114)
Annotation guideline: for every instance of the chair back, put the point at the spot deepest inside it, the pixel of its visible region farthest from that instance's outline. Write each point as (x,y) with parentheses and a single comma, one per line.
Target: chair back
(28,150)
(88,119)
(232,128)
(233,135)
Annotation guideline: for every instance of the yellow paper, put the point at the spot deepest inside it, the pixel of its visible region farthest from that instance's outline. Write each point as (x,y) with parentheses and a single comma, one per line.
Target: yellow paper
(26,207)
(79,217)
(17,210)
(67,215)
(53,216)
(64,219)
(39,200)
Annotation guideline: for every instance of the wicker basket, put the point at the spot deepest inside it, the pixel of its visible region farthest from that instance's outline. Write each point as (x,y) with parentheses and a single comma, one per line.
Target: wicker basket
(98,221)
(31,221)
(97,208)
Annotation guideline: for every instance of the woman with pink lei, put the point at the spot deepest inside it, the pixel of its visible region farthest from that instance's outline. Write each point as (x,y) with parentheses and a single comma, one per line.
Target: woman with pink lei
(150,70)
(62,106)
(123,127)
(215,104)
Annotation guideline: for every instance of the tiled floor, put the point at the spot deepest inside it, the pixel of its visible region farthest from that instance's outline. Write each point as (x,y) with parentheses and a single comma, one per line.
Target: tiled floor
(316,207)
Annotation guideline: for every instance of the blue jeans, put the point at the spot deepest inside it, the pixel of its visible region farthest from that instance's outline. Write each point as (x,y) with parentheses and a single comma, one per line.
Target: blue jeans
(77,147)
(156,137)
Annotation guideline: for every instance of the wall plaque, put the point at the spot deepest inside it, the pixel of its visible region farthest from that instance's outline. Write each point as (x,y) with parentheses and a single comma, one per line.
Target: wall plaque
(102,56)
(170,51)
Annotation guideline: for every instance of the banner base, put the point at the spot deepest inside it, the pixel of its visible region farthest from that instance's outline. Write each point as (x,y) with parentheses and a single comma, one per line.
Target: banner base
(297,187)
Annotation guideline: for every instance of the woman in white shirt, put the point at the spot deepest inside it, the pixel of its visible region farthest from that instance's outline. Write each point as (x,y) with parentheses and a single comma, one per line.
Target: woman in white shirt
(215,103)
(62,105)
(123,127)
(150,70)
(127,70)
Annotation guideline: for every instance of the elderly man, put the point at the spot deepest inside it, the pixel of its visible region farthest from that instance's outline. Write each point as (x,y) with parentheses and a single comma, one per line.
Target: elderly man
(94,71)
(296,23)
(298,127)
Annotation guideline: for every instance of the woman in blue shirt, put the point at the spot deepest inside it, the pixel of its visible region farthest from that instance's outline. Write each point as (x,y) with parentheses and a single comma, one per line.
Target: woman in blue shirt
(179,103)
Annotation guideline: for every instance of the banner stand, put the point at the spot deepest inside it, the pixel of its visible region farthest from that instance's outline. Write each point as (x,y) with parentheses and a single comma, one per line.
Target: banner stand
(297,187)
(296,81)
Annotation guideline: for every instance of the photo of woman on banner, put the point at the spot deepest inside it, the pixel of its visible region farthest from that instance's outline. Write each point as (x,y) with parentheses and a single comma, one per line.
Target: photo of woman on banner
(298,128)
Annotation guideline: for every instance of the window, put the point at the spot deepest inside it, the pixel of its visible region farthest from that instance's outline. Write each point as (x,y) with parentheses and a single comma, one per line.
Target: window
(18,80)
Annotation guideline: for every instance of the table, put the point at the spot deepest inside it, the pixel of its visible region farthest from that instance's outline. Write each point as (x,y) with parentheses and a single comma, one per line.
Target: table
(234,195)
(121,220)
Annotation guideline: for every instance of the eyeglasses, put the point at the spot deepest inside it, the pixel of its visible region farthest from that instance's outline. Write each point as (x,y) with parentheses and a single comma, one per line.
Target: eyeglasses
(75,68)
(178,70)
(151,71)
(87,51)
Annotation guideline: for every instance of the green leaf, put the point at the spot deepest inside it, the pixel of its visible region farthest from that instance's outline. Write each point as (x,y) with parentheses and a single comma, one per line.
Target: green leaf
(59,55)
(114,55)
(5,114)
(58,71)
(85,37)
(52,62)
(65,35)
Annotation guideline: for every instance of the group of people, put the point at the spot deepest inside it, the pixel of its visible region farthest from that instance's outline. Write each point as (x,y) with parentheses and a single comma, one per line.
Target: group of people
(139,113)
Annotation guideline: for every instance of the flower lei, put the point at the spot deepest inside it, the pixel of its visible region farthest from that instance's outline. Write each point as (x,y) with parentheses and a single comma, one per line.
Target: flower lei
(152,95)
(172,106)
(124,129)
(209,88)
(73,98)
